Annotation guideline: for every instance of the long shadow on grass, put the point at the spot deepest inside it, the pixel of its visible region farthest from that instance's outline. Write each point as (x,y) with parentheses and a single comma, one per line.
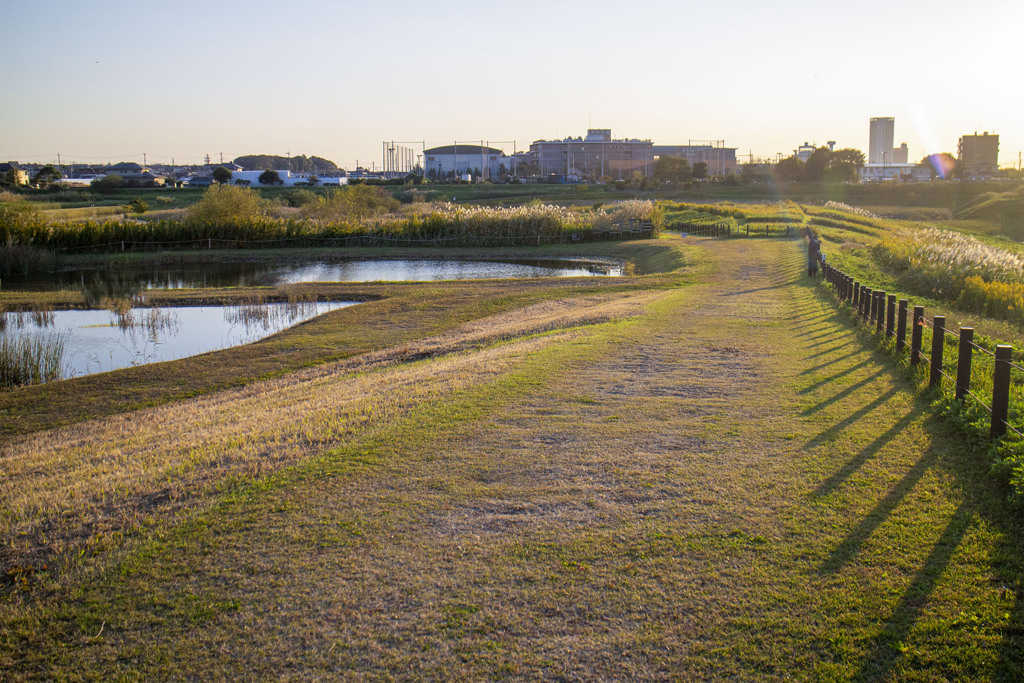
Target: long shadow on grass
(844,473)
(852,389)
(884,649)
(758,289)
(815,368)
(830,434)
(832,378)
(854,541)
(982,498)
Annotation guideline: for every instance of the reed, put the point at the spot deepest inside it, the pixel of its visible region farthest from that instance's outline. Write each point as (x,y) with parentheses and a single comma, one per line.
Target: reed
(30,359)
(952,266)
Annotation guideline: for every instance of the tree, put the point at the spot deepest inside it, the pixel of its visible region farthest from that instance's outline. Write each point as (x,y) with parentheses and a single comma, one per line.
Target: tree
(46,175)
(107,183)
(843,164)
(138,205)
(221,175)
(313,180)
(670,169)
(700,170)
(269,177)
(943,165)
(756,173)
(817,164)
(789,169)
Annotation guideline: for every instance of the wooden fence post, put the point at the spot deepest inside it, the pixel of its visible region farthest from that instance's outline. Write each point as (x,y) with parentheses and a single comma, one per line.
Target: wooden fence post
(880,313)
(890,315)
(856,293)
(963,362)
(901,326)
(915,336)
(1000,390)
(938,344)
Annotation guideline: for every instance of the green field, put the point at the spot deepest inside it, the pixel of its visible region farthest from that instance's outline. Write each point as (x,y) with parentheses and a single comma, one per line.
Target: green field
(705,469)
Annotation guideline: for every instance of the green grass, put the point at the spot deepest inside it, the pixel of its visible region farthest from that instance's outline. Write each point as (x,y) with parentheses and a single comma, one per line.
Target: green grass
(727,483)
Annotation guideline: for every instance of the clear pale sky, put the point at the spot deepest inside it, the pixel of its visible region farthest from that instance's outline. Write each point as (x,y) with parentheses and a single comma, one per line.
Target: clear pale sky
(106,80)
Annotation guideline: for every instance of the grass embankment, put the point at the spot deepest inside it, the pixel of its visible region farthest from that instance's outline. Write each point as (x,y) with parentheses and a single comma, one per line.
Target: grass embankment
(394,313)
(721,480)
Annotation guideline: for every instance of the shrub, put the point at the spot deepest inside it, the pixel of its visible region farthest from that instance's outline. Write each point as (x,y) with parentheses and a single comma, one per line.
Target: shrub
(228,204)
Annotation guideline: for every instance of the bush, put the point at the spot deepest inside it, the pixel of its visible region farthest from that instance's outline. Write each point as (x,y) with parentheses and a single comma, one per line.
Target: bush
(228,204)
(351,204)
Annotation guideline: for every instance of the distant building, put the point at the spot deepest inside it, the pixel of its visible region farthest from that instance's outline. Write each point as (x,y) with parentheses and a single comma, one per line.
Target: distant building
(593,157)
(978,156)
(901,154)
(720,159)
(876,173)
(461,160)
(133,174)
(286,178)
(18,175)
(880,140)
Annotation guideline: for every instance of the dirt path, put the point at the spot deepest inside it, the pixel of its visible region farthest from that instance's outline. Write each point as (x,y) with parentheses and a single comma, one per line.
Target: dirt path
(729,486)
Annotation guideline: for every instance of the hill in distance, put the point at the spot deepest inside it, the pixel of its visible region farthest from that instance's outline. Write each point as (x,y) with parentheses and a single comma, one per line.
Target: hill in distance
(297,164)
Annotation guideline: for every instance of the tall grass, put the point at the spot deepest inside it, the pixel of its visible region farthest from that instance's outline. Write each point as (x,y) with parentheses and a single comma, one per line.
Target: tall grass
(30,359)
(242,223)
(938,263)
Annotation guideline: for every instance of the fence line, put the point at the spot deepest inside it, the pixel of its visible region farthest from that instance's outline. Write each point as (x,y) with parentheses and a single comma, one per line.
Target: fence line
(876,307)
(726,230)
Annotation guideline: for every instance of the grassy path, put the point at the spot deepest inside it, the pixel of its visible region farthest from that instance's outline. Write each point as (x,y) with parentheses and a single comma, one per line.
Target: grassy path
(728,485)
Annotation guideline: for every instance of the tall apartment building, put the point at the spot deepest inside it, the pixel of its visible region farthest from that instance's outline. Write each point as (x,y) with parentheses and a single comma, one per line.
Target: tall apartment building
(978,156)
(595,156)
(880,140)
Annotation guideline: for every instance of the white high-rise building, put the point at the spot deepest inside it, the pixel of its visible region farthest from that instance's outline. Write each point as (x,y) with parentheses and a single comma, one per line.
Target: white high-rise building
(880,141)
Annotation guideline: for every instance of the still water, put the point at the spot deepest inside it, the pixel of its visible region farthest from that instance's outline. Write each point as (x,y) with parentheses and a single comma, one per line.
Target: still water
(126,281)
(100,340)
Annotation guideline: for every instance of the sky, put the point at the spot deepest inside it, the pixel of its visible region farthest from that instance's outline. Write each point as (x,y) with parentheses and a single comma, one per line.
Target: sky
(111,80)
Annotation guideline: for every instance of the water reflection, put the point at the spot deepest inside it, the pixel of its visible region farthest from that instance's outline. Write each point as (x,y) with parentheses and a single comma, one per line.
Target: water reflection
(98,285)
(101,340)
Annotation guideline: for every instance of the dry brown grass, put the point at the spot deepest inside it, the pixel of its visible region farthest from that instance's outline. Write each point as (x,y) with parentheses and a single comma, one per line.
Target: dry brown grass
(67,490)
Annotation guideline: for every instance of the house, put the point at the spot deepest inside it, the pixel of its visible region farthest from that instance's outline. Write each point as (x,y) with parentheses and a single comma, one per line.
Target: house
(135,175)
(11,172)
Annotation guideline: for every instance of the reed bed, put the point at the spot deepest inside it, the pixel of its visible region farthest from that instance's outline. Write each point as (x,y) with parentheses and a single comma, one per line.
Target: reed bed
(30,358)
(338,216)
(953,267)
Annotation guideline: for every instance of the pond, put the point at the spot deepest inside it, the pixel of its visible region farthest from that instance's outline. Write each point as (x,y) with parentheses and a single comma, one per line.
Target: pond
(93,341)
(121,282)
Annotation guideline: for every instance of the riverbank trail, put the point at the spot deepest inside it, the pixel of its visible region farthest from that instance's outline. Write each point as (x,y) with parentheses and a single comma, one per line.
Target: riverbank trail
(732,484)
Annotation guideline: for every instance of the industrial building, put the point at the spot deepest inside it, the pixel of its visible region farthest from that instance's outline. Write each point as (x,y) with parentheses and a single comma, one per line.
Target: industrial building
(719,158)
(594,157)
(462,160)
(978,156)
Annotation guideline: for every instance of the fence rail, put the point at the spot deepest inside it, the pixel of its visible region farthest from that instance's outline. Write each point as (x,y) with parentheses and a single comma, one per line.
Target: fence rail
(888,317)
(727,230)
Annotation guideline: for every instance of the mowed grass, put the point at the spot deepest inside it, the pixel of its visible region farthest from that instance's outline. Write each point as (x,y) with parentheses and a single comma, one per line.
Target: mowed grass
(393,314)
(716,481)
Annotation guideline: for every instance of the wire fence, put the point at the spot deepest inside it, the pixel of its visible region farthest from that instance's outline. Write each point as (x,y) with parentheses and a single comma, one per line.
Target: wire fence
(728,230)
(889,317)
